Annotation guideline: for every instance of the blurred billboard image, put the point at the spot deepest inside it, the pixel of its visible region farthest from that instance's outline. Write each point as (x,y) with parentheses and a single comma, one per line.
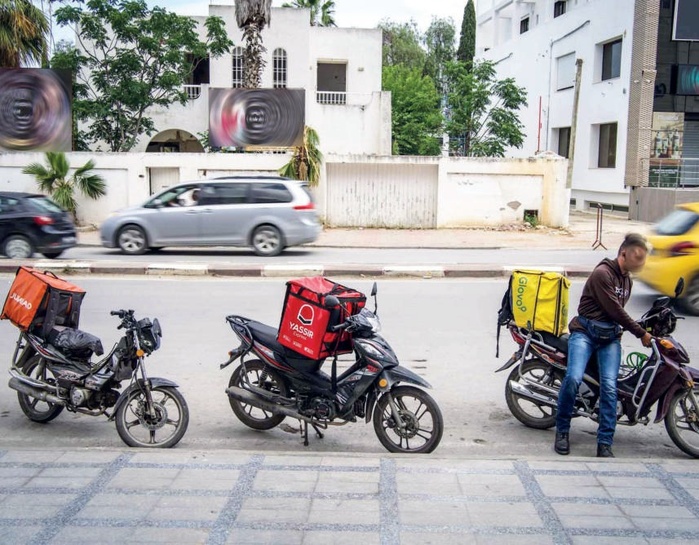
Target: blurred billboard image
(256,117)
(35,109)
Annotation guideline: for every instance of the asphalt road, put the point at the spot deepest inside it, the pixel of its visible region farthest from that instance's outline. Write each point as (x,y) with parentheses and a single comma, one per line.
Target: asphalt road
(442,329)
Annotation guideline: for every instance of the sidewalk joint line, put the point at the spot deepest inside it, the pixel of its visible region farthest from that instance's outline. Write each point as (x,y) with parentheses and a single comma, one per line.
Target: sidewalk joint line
(388,501)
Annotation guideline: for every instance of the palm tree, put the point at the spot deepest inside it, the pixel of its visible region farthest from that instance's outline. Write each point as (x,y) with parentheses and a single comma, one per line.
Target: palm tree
(321,10)
(252,16)
(24,34)
(306,161)
(53,179)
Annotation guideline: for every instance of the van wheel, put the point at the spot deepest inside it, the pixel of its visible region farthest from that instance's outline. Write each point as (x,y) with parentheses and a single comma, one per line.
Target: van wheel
(690,300)
(132,240)
(18,247)
(267,241)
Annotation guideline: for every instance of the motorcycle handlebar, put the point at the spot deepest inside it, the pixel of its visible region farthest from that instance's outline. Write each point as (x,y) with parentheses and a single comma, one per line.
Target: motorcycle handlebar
(338,327)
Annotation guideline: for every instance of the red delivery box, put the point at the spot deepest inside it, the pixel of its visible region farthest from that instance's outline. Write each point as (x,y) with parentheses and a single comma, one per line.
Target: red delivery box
(305,320)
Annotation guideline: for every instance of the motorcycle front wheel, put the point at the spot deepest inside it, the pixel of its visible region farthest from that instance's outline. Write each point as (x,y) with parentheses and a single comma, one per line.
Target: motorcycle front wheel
(682,422)
(257,374)
(530,412)
(35,409)
(421,423)
(162,428)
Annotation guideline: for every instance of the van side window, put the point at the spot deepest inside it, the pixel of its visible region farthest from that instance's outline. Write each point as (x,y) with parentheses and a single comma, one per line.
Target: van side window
(270,192)
(224,194)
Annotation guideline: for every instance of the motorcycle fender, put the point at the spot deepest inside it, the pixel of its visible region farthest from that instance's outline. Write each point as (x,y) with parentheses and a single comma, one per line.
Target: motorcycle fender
(514,359)
(664,401)
(370,405)
(402,374)
(154,383)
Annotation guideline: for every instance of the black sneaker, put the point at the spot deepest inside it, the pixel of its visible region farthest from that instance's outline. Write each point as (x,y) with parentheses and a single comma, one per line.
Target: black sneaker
(604,451)
(562,445)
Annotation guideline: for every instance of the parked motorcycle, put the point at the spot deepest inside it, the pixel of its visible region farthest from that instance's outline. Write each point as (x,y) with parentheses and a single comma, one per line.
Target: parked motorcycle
(150,412)
(663,378)
(278,383)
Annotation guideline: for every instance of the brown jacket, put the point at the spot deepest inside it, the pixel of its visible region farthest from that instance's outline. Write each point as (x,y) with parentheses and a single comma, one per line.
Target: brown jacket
(604,296)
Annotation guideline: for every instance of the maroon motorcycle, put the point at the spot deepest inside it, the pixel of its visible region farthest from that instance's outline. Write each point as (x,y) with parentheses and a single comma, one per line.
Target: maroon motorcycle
(662,378)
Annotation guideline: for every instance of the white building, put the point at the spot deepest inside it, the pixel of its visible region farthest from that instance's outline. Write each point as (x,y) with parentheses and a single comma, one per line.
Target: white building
(537,42)
(339,69)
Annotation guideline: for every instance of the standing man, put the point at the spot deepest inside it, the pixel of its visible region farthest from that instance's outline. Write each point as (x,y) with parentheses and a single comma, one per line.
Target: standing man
(597,330)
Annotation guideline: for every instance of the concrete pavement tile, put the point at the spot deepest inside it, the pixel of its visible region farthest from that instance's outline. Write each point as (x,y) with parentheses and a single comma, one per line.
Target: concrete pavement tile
(242,536)
(596,522)
(440,513)
(340,538)
(510,539)
(144,478)
(670,524)
(657,511)
(615,540)
(666,541)
(88,456)
(618,466)
(17,477)
(613,481)
(35,506)
(680,466)
(571,486)
(503,514)
(17,534)
(587,509)
(117,506)
(552,465)
(338,511)
(285,481)
(639,493)
(289,460)
(347,482)
(278,510)
(490,485)
(454,466)
(690,484)
(437,484)
(64,477)
(350,461)
(32,456)
(106,535)
(169,536)
(189,508)
(206,479)
(424,538)
(177,456)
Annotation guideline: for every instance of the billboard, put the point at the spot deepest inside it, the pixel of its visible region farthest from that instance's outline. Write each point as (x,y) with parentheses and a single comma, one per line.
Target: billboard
(35,109)
(256,117)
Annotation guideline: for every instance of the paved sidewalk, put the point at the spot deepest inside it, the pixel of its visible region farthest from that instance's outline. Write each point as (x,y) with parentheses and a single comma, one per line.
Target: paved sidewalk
(223,497)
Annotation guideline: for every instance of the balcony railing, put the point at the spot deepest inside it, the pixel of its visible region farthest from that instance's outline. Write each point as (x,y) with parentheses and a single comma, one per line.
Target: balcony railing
(673,173)
(331,97)
(193,91)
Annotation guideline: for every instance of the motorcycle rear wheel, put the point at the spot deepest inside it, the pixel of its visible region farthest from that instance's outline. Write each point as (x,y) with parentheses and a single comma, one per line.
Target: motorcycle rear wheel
(261,376)
(35,409)
(137,429)
(528,411)
(682,423)
(414,405)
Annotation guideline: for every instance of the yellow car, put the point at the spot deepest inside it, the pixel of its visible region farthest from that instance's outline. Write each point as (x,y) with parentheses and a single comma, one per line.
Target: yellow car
(675,254)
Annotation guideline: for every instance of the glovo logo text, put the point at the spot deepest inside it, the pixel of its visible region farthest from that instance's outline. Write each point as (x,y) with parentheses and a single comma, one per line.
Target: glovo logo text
(519,299)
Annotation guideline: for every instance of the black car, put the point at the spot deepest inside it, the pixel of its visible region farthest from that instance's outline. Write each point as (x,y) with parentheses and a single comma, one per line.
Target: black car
(33,223)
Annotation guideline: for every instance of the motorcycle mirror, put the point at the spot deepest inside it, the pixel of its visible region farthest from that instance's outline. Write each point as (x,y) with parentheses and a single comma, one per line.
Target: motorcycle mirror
(661,302)
(331,301)
(679,288)
(374,290)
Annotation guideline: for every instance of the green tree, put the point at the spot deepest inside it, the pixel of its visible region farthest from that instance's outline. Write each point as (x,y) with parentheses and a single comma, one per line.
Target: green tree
(401,44)
(322,11)
(24,34)
(252,16)
(53,178)
(439,40)
(467,40)
(130,59)
(307,160)
(416,118)
(483,110)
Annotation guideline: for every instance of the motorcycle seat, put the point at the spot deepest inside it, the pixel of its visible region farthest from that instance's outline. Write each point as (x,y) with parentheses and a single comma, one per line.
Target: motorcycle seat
(267,336)
(559,343)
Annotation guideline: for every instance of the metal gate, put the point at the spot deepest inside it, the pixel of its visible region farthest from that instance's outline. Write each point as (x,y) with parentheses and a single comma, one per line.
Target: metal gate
(382,195)
(161,178)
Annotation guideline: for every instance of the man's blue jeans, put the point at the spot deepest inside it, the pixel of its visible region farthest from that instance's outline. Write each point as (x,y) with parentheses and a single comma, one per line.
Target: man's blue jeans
(580,349)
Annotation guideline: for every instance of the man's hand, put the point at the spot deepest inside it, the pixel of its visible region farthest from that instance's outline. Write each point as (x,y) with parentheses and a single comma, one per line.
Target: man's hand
(646,339)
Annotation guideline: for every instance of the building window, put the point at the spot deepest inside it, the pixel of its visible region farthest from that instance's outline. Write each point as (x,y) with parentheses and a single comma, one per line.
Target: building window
(559,8)
(279,68)
(565,72)
(524,25)
(611,60)
(237,67)
(607,145)
(564,142)
(331,86)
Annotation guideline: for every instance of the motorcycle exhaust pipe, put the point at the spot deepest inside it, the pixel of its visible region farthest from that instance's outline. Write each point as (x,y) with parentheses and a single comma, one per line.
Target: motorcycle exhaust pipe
(17,384)
(522,390)
(250,398)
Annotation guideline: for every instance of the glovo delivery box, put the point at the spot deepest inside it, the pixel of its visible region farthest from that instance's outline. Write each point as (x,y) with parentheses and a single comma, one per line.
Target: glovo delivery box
(540,300)
(38,301)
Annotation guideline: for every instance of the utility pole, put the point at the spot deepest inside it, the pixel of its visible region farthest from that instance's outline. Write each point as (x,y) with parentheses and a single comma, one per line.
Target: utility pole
(574,123)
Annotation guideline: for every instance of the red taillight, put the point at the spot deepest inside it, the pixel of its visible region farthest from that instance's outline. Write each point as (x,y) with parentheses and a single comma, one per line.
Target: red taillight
(43,220)
(682,248)
(309,206)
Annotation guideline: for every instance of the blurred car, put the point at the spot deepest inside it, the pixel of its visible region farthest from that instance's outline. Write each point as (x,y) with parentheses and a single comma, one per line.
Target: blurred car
(266,213)
(32,223)
(675,254)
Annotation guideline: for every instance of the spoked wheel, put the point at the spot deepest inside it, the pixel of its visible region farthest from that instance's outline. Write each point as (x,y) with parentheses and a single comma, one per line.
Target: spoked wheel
(163,428)
(530,412)
(259,375)
(421,424)
(33,407)
(682,422)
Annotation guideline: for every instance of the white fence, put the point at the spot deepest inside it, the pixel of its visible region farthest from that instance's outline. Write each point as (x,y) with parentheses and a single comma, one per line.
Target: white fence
(355,191)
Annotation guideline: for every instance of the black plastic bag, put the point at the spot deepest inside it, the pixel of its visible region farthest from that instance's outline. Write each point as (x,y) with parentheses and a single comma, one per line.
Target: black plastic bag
(76,344)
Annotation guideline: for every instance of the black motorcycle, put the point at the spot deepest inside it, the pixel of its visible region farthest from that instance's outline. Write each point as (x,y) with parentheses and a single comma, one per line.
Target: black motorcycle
(280,383)
(55,373)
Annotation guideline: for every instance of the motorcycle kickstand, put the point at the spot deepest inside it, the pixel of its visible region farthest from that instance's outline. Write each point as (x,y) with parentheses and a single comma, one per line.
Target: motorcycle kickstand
(304,432)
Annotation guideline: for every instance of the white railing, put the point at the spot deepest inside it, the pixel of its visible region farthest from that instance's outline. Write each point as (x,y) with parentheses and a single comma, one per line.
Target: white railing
(342,98)
(193,91)
(673,172)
